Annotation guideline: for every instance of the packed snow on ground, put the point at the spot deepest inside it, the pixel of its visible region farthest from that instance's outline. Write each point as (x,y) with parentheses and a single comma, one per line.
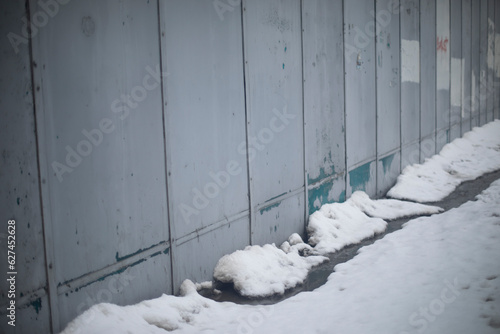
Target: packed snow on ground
(264,271)
(467,158)
(390,208)
(439,274)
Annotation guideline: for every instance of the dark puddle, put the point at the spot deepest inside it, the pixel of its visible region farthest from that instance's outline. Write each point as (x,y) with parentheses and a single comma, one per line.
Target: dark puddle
(318,275)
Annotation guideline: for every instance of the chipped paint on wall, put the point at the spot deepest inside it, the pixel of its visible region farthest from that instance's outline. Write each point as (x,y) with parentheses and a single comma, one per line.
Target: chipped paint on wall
(119,258)
(269,207)
(359,177)
(329,191)
(319,195)
(273,198)
(342,197)
(387,162)
(324,172)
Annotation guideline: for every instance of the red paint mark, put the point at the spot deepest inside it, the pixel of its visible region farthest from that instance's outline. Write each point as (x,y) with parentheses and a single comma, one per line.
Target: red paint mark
(442,44)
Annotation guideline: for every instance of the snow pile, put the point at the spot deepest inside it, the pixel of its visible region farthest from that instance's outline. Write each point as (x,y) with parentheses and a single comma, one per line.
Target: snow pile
(150,316)
(337,225)
(263,271)
(439,274)
(296,245)
(467,158)
(390,208)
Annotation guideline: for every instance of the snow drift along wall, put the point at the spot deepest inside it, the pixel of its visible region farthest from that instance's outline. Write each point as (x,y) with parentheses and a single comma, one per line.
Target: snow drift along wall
(143,140)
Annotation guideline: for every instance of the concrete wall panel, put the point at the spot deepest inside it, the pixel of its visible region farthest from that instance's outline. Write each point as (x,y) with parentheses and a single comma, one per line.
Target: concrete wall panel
(456,68)
(360,81)
(209,248)
(475,61)
(388,77)
(360,103)
(205,115)
(410,154)
(276,220)
(490,62)
(323,95)
(388,170)
(496,71)
(427,73)
(442,71)
(466,66)
(273,62)
(410,76)
(19,181)
(103,198)
(111,188)
(483,65)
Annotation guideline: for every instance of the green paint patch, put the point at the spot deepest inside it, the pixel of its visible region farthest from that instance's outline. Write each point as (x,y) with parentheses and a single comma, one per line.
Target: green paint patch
(37,305)
(342,197)
(387,162)
(269,208)
(167,250)
(322,175)
(18,200)
(319,194)
(359,177)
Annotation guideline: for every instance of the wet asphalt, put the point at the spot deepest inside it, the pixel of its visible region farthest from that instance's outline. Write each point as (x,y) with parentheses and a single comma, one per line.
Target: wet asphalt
(318,275)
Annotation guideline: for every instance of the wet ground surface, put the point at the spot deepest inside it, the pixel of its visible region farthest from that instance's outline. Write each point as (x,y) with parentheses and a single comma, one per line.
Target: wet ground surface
(318,276)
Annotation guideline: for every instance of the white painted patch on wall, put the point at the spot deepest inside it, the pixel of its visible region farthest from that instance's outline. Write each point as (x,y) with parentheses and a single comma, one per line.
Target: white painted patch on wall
(490,60)
(456,81)
(410,61)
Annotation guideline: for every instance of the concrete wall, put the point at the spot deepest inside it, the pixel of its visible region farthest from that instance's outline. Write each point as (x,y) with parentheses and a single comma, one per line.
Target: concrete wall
(143,140)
